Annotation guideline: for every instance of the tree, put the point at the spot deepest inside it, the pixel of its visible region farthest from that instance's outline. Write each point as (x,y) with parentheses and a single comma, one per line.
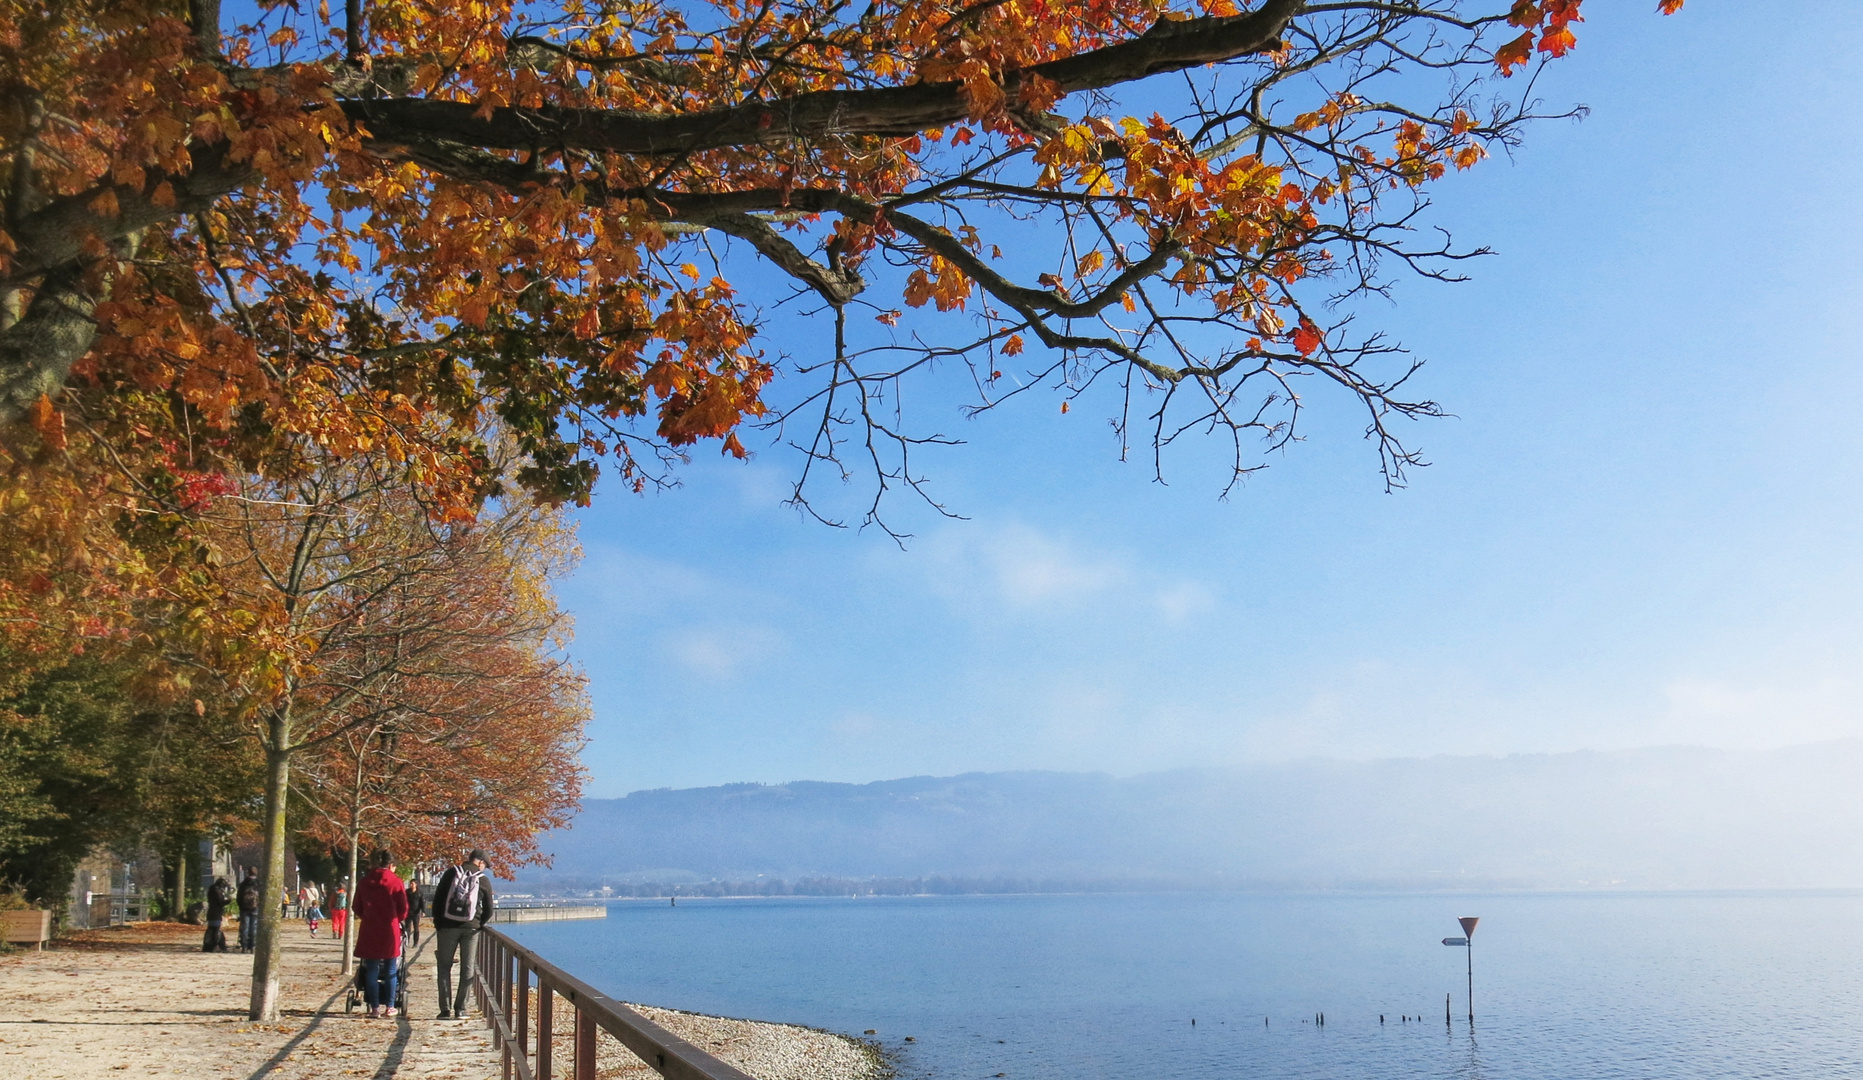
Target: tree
(476,746)
(336,590)
(542,206)
(92,757)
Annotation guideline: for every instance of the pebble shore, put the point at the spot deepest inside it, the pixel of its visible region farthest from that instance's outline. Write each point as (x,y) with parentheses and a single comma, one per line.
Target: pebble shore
(764,1050)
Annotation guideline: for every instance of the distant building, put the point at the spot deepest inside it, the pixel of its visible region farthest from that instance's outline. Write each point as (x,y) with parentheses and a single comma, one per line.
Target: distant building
(111,887)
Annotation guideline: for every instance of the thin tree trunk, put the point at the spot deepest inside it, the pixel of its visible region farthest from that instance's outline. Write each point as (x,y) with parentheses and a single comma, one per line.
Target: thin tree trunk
(349,924)
(174,863)
(355,841)
(265,958)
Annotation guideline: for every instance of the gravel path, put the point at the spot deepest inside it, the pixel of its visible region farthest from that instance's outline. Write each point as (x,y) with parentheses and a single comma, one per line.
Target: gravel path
(144,1002)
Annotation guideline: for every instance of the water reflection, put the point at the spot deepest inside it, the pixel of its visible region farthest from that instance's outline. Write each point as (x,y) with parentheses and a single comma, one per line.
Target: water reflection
(1468,1065)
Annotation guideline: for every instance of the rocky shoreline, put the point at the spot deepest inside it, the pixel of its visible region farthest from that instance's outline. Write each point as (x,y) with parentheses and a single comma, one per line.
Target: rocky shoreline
(765,1050)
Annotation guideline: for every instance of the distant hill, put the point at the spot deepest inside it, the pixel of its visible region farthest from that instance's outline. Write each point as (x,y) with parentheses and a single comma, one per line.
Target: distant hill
(1671,817)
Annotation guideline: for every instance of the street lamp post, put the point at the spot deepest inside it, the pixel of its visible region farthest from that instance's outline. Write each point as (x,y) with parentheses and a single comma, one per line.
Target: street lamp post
(1467,942)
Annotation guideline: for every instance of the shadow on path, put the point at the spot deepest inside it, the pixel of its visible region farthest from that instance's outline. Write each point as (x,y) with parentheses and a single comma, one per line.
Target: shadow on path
(404,1028)
(292,1043)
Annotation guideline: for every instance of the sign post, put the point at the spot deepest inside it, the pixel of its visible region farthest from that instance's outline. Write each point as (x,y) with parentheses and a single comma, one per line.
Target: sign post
(1467,941)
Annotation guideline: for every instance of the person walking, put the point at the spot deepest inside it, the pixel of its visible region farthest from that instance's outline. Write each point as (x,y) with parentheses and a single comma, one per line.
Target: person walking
(381,905)
(219,895)
(417,906)
(339,911)
(248,900)
(462,905)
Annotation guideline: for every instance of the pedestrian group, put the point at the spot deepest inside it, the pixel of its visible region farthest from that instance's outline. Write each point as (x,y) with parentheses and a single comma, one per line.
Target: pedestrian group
(388,915)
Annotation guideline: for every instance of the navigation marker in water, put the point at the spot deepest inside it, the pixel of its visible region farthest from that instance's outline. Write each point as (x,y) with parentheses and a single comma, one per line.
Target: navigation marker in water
(1467,942)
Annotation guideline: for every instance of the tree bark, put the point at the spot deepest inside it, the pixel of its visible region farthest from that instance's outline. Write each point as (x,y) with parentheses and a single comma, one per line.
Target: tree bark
(349,924)
(265,954)
(53,333)
(174,870)
(885,110)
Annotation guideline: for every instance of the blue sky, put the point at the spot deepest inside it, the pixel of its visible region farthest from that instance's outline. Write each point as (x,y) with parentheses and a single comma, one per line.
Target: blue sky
(1641,526)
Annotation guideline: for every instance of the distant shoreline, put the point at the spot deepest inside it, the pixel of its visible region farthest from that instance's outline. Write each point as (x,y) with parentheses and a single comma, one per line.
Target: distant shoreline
(1601,891)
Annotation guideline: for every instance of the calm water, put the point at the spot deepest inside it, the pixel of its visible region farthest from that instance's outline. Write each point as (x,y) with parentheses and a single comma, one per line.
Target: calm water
(1088,987)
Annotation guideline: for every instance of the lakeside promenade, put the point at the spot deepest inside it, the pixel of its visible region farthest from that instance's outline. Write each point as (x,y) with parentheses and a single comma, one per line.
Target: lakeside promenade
(143,1001)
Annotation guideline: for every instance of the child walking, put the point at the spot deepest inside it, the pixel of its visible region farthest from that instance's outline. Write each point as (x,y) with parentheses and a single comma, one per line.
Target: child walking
(339,910)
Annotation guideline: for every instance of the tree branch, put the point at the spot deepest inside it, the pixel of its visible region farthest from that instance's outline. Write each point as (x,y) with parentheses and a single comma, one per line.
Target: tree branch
(893,110)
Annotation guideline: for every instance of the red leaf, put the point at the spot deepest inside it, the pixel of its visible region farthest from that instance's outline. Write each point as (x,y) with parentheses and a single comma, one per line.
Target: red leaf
(1517,51)
(1557,41)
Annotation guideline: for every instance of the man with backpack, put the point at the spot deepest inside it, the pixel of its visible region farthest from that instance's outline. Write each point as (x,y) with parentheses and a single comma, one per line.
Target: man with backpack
(462,905)
(249,910)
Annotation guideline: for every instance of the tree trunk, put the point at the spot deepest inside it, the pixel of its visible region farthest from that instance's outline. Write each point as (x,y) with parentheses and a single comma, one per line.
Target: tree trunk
(174,867)
(355,842)
(349,924)
(265,956)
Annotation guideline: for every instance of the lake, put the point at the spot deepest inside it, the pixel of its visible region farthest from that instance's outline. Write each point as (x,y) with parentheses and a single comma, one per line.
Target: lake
(1104,987)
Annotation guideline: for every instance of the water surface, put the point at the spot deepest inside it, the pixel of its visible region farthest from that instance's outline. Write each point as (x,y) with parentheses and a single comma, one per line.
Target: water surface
(1589,986)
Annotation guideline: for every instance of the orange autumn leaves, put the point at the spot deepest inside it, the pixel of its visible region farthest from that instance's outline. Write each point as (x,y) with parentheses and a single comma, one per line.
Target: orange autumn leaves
(1548,29)
(345,288)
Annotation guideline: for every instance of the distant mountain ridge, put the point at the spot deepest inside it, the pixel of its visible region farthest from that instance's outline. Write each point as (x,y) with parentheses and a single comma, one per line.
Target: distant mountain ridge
(1668,817)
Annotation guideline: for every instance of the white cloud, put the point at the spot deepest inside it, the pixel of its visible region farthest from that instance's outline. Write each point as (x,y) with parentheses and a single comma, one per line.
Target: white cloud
(1032,569)
(1022,570)
(1180,600)
(723,653)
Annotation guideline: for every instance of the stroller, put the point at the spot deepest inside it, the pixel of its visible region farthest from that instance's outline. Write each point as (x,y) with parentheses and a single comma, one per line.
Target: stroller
(358,997)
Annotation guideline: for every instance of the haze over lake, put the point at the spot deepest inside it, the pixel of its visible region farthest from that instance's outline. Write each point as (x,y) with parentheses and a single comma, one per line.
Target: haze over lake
(1660,818)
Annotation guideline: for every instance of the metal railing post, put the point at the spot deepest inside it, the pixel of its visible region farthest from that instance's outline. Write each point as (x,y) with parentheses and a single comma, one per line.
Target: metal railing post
(505,962)
(494,994)
(507,968)
(483,944)
(522,1027)
(585,1046)
(506,992)
(546,1028)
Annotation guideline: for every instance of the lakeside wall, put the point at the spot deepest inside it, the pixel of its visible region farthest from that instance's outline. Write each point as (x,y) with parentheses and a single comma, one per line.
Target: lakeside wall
(548,913)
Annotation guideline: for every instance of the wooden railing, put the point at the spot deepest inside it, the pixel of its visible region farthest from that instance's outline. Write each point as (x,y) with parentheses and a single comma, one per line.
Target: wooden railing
(519,992)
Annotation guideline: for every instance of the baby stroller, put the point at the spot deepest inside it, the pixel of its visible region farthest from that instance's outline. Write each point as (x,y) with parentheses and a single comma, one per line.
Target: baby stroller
(358,997)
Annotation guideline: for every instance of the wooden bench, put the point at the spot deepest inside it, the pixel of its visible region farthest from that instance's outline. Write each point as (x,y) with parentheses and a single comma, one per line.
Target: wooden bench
(27,927)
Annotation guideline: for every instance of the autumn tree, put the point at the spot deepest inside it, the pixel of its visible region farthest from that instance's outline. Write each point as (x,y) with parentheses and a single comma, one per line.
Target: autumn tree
(334,582)
(548,207)
(101,740)
(476,743)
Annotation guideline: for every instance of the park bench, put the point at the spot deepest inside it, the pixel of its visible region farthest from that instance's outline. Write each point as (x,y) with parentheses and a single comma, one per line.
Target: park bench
(27,927)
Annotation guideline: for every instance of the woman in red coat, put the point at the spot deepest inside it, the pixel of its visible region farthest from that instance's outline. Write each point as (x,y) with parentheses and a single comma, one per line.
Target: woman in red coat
(381,904)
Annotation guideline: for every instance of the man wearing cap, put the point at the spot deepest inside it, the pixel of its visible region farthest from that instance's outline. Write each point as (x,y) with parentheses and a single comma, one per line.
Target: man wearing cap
(462,904)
